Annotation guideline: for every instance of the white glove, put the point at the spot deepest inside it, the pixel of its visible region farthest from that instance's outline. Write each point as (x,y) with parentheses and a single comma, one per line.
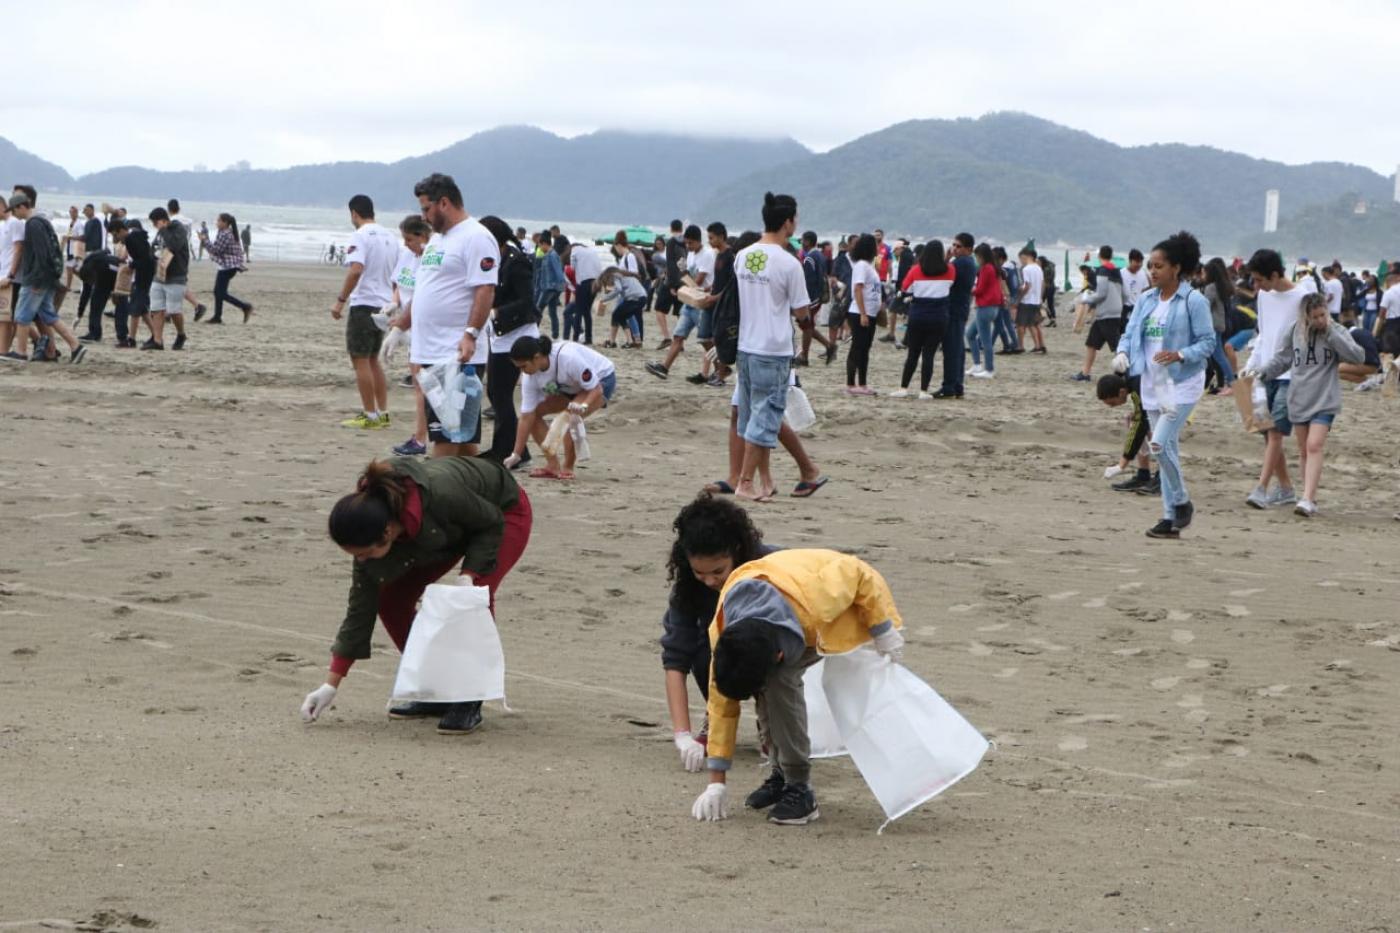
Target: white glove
(578,408)
(1120,363)
(692,752)
(380,319)
(511,462)
(713,804)
(1112,471)
(890,643)
(1251,374)
(395,338)
(317,702)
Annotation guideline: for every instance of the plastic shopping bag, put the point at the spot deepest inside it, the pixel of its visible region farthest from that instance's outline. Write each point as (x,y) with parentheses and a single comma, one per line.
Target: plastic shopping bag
(799,414)
(553,443)
(905,739)
(453,652)
(454,391)
(821,726)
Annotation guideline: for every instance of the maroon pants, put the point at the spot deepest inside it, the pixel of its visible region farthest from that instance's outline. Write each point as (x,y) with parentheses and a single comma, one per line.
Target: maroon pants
(398,601)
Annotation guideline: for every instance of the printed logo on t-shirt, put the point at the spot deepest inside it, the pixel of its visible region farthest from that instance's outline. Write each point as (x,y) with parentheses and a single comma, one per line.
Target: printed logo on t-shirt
(432,256)
(551,388)
(487,264)
(756,261)
(1154,330)
(587,375)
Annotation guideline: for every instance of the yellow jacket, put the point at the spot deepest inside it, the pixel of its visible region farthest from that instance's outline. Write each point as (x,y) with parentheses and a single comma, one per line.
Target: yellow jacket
(837,599)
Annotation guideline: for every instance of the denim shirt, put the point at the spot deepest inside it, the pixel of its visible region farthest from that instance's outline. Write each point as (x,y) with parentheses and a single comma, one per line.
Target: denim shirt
(1187,330)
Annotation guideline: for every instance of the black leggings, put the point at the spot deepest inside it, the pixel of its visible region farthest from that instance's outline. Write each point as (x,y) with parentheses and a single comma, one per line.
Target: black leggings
(221,280)
(858,357)
(923,338)
(501,377)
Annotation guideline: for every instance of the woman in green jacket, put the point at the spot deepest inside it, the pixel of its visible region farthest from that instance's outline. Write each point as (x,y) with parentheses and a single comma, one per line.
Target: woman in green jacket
(408,523)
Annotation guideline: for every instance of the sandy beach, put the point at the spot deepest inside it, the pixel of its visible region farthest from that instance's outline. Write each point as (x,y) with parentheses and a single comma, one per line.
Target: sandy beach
(1190,735)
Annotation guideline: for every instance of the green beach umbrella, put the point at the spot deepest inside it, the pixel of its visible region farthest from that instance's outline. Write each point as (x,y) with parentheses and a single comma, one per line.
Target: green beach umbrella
(640,235)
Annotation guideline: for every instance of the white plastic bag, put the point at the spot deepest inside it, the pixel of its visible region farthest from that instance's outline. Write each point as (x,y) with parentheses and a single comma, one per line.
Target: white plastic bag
(908,743)
(553,443)
(821,726)
(454,391)
(1166,389)
(453,652)
(799,414)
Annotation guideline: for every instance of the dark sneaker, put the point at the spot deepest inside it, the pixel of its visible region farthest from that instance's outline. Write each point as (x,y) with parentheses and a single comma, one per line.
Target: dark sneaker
(79,354)
(658,370)
(460,719)
(1133,483)
(199,311)
(1183,515)
(89,338)
(151,344)
(799,361)
(829,355)
(887,338)
(665,344)
(768,794)
(411,448)
(797,807)
(1163,529)
(943,396)
(1081,377)
(1153,487)
(715,382)
(416,710)
(13,357)
(41,349)
(179,343)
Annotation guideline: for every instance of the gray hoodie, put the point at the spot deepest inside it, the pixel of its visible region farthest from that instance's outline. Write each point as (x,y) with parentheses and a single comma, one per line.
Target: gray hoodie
(1107,299)
(1315,388)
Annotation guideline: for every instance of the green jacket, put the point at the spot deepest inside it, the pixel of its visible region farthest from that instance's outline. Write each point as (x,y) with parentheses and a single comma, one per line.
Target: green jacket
(463,499)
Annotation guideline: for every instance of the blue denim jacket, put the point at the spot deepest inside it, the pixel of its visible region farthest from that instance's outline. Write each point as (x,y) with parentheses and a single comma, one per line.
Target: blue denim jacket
(1188,330)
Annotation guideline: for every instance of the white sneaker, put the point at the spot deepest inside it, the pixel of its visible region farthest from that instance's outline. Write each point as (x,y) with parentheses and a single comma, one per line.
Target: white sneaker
(1282,496)
(1306,508)
(978,370)
(1371,384)
(925,397)
(983,374)
(900,393)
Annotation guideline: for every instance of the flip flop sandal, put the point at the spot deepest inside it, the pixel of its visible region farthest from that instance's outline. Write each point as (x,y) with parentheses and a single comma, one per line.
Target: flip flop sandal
(804,489)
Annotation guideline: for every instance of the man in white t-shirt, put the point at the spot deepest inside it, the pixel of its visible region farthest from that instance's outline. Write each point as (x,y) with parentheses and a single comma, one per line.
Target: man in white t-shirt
(453,293)
(588,265)
(371,258)
(772,289)
(1134,284)
(1028,302)
(1387,327)
(1332,287)
(1276,305)
(9,226)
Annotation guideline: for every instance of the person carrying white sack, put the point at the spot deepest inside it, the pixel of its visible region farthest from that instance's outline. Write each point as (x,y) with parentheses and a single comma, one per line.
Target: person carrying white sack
(775,615)
(409,522)
(1313,349)
(568,379)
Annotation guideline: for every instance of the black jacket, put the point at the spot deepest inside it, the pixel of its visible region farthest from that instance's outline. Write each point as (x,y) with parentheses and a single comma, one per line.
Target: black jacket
(515,292)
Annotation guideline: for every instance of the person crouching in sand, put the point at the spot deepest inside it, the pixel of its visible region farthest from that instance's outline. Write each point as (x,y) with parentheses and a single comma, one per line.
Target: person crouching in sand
(559,377)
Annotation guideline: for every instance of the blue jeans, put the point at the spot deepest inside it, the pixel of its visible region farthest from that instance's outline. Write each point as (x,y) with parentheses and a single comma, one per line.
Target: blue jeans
(549,301)
(954,354)
(580,322)
(1005,331)
(979,337)
(1218,355)
(763,385)
(1164,449)
(1368,319)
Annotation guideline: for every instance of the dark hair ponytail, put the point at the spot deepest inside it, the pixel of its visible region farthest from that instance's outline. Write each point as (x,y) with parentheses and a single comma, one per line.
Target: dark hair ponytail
(778,209)
(359,519)
(232,223)
(527,348)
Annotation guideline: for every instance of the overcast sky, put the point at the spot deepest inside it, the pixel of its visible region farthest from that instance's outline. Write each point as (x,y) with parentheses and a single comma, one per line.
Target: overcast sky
(174,84)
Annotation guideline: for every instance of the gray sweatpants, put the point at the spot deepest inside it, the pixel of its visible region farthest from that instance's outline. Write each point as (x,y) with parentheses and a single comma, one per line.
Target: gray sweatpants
(782,706)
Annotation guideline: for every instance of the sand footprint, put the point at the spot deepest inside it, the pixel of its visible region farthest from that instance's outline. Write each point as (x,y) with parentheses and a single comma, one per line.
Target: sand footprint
(1073,743)
(1183,636)
(1165,683)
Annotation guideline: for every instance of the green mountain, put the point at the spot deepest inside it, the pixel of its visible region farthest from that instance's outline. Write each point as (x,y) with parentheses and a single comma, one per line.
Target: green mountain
(518,170)
(1013,176)
(1334,230)
(16,165)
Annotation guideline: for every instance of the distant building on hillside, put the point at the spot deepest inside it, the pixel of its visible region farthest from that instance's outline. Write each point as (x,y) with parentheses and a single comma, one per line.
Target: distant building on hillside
(1271,211)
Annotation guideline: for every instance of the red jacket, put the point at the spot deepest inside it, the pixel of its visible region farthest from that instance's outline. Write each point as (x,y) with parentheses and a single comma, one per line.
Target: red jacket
(987,292)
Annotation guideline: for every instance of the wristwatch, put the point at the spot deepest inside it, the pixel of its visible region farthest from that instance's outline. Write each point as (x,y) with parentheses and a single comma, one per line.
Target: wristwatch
(474,332)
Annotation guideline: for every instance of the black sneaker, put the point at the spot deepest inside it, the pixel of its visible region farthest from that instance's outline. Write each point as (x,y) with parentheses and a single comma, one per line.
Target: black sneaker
(179,343)
(79,354)
(1183,515)
(41,350)
(698,379)
(768,794)
(799,361)
(887,338)
(658,370)
(797,807)
(460,719)
(199,311)
(151,344)
(829,355)
(1153,487)
(416,710)
(943,396)
(89,338)
(665,344)
(1163,529)
(1134,482)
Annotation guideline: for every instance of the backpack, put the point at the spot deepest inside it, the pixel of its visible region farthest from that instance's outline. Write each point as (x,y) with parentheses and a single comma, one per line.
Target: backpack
(726,323)
(643,265)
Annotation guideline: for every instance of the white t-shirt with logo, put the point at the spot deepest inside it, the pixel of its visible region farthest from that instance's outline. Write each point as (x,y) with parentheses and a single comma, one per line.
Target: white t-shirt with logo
(1333,288)
(771,286)
(1153,340)
(1134,284)
(573,368)
(377,251)
(453,265)
(1277,312)
(405,274)
(864,277)
(1033,277)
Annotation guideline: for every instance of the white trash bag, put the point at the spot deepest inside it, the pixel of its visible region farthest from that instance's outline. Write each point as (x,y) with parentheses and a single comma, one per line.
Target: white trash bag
(799,414)
(905,739)
(821,727)
(454,391)
(453,652)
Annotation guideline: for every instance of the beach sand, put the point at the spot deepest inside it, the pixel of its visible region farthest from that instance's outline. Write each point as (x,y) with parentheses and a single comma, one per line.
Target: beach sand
(1189,735)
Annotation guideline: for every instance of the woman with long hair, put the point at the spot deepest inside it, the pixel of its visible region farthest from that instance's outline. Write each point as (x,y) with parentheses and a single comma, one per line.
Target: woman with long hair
(930,282)
(227,253)
(866,295)
(1168,341)
(986,298)
(1219,291)
(713,537)
(514,315)
(409,522)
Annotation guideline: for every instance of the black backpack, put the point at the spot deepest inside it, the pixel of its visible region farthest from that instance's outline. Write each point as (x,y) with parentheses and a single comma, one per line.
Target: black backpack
(727,323)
